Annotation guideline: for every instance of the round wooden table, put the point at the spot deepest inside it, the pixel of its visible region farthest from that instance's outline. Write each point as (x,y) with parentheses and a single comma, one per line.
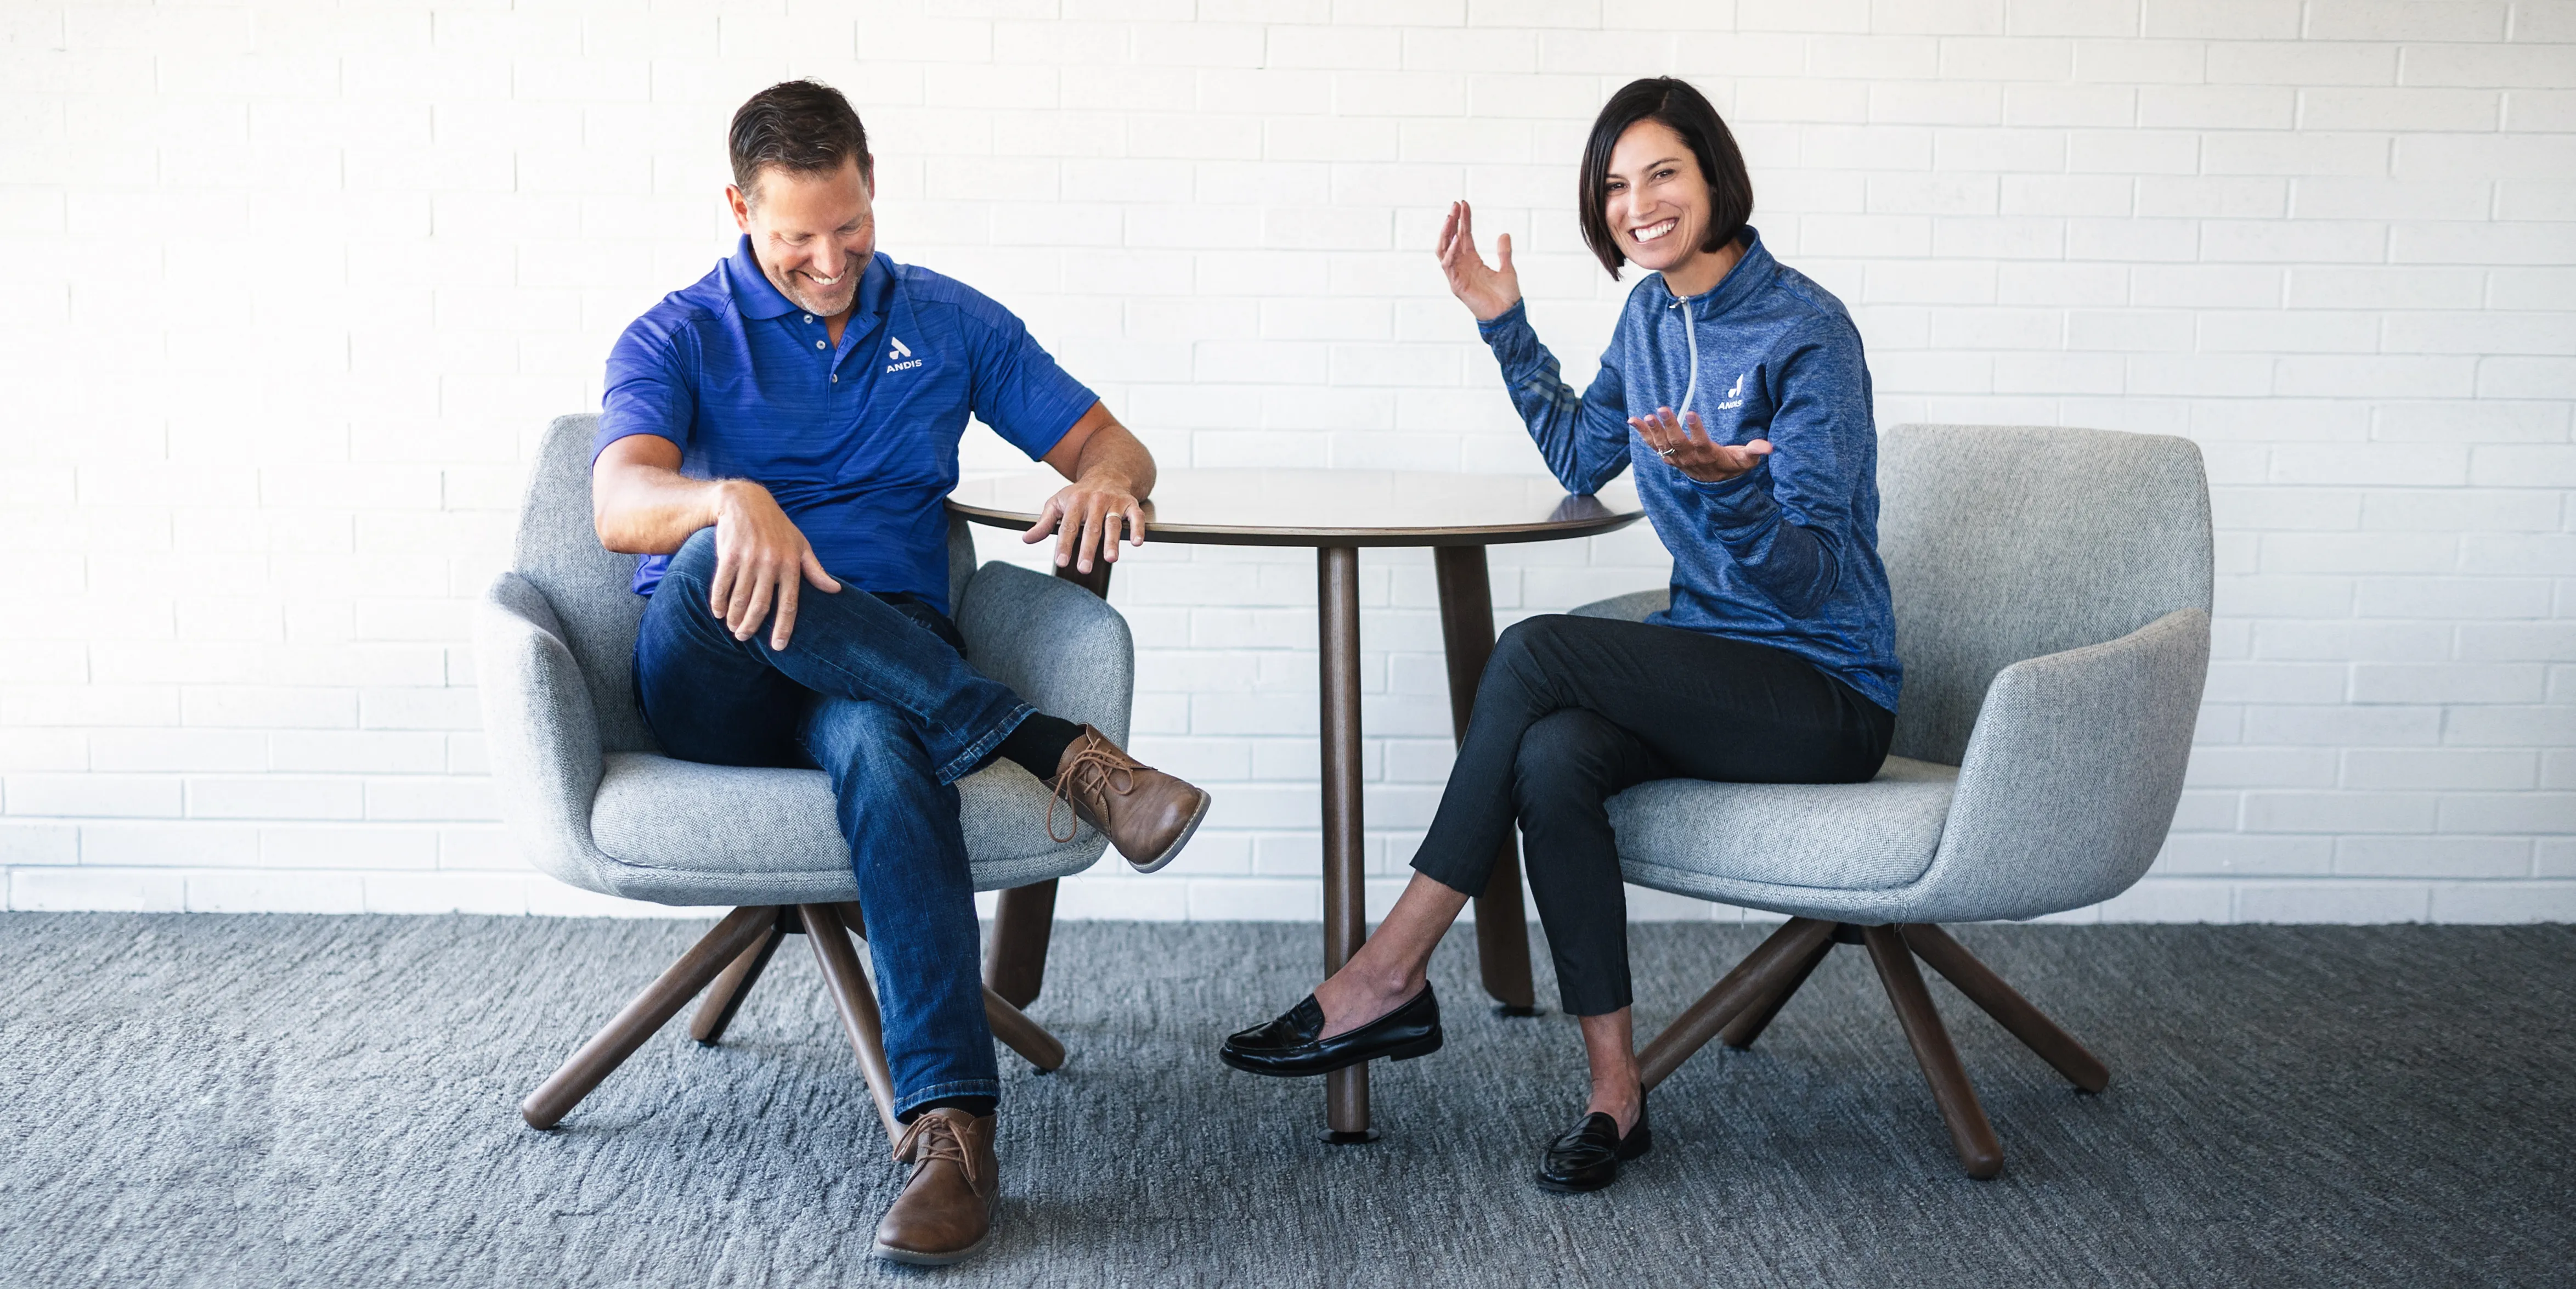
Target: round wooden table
(1337,512)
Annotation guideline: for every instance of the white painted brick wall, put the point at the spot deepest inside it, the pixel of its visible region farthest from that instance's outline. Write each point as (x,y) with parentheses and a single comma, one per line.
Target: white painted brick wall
(288,288)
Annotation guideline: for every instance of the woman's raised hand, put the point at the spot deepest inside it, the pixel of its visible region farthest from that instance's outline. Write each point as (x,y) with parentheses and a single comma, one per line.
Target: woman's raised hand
(1486,291)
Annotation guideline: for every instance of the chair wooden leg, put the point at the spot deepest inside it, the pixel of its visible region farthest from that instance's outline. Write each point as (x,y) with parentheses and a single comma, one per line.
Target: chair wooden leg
(1015,958)
(1022,1035)
(724,998)
(1740,1033)
(857,1002)
(2010,1010)
(1761,973)
(1008,1022)
(651,1009)
(1970,1134)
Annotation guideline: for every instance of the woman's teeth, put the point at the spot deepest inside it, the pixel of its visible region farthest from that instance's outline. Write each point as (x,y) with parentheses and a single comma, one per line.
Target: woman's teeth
(1652,231)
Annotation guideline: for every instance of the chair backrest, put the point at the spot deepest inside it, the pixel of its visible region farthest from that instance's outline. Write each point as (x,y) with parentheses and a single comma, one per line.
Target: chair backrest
(590,586)
(2007,542)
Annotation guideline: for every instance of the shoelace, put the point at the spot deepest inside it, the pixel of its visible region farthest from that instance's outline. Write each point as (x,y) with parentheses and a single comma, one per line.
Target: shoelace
(1095,773)
(933,1137)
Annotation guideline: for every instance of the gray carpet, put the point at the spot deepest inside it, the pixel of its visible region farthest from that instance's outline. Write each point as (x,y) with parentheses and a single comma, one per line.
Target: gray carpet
(208,1100)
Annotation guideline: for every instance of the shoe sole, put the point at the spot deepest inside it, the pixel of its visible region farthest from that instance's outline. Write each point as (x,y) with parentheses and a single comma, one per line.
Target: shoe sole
(916,1258)
(1416,1048)
(1555,1187)
(1188,830)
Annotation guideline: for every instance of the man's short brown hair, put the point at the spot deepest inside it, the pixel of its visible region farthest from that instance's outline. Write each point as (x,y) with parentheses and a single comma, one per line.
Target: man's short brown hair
(802,126)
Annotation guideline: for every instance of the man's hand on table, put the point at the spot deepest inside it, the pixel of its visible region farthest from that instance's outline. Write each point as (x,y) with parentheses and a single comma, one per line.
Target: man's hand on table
(1112,474)
(1088,516)
(762,560)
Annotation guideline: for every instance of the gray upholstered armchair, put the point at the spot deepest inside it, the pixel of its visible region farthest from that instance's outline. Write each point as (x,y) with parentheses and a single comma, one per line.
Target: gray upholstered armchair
(2052,592)
(592,802)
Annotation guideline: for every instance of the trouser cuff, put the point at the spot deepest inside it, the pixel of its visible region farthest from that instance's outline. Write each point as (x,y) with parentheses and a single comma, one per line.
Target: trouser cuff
(966,762)
(1466,879)
(905,1104)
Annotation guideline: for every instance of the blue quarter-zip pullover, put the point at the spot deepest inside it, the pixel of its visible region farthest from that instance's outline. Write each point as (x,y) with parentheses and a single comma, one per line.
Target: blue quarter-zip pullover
(1785,555)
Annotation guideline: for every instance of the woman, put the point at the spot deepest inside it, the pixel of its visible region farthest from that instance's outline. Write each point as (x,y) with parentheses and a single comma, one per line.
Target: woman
(1736,388)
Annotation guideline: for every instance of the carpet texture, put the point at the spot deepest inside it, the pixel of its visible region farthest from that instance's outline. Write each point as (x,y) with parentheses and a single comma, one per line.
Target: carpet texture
(268,1100)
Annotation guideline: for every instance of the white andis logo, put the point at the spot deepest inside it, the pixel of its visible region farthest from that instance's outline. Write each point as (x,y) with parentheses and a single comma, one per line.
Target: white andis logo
(896,358)
(1734,395)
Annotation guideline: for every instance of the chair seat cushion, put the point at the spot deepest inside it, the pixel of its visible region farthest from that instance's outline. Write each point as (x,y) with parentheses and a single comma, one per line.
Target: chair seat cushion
(1681,835)
(723,834)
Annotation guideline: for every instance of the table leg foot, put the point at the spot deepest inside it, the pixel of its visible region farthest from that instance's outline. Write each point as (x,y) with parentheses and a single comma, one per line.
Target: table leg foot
(1334,1137)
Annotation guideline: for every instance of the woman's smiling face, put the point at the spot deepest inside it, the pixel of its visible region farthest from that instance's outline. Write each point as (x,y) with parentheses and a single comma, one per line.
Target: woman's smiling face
(1657,201)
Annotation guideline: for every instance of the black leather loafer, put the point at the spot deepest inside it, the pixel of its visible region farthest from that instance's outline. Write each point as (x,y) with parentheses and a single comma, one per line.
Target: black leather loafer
(1288,1047)
(1586,1157)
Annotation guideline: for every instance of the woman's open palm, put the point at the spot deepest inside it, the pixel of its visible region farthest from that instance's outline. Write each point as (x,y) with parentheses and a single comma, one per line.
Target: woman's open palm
(1485,290)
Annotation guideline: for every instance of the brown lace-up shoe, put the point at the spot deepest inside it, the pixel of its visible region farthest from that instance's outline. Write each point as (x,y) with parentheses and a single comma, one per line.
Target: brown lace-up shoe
(946,1210)
(1149,815)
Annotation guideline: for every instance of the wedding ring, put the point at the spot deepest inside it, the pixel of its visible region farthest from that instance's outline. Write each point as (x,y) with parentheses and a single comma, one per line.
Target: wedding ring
(1666,453)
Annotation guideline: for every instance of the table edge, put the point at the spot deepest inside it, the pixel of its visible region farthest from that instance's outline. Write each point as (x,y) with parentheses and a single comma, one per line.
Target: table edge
(1206,535)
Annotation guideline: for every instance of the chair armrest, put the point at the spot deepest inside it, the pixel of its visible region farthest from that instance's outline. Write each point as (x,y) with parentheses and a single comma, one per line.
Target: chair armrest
(2071,775)
(1057,645)
(541,730)
(1635,606)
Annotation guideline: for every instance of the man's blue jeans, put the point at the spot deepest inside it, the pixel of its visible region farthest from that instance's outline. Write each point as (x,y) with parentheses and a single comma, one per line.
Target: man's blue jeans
(879,696)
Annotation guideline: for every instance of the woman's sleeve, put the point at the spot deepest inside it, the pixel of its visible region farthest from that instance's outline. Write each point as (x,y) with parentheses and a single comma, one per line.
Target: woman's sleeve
(1786,521)
(1585,438)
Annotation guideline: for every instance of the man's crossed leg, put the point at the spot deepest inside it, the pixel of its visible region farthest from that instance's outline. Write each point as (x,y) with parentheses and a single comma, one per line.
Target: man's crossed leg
(879,696)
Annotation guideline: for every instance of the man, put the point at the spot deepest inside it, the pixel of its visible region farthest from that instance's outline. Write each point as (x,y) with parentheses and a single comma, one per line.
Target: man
(776,441)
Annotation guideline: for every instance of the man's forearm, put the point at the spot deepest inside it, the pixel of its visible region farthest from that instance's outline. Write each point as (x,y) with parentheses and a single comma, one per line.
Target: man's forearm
(642,510)
(1117,459)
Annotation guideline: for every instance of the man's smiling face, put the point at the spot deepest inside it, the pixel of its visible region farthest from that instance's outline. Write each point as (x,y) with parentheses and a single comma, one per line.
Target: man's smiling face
(813,233)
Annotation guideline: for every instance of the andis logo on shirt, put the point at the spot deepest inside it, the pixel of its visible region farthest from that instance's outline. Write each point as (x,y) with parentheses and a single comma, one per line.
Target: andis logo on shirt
(1734,395)
(900,357)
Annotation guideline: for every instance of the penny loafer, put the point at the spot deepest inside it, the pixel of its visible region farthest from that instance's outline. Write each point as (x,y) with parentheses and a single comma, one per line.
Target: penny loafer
(1291,1047)
(1586,1157)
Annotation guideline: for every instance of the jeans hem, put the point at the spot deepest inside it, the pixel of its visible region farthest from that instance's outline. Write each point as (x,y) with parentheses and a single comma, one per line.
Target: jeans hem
(957,1088)
(965,762)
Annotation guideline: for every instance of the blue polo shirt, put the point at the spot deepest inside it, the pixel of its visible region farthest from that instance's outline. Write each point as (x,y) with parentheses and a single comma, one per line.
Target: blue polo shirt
(858,442)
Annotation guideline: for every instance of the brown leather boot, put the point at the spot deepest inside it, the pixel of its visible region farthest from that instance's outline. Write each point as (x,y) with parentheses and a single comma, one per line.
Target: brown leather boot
(1149,815)
(946,1210)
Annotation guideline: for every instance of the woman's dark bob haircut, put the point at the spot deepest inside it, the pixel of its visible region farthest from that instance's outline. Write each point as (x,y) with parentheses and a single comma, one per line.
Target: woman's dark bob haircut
(1682,109)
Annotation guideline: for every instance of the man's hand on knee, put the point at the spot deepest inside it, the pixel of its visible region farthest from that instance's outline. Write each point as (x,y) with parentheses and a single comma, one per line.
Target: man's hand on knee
(762,561)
